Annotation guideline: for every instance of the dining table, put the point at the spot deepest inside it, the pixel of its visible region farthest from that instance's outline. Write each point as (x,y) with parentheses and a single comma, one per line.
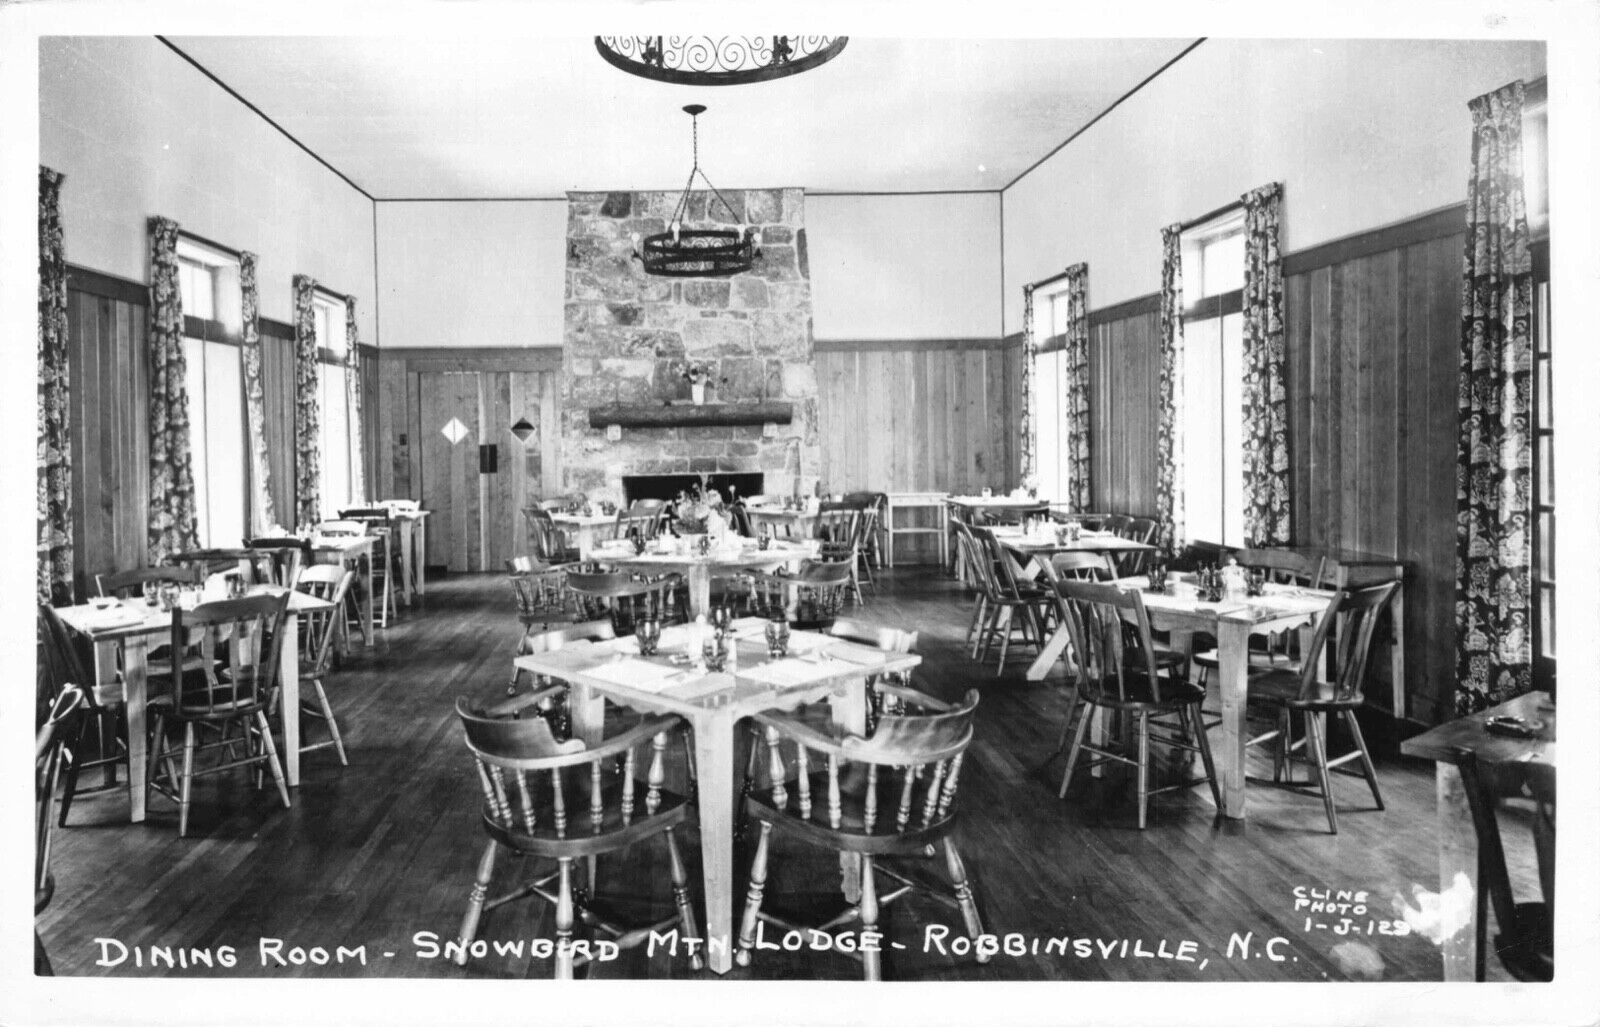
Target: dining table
(123,632)
(1182,613)
(1038,547)
(817,667)
(585,530)
(966,506)
(789,522)
(412,527)
(353,551)
(1457,838)
(667,555)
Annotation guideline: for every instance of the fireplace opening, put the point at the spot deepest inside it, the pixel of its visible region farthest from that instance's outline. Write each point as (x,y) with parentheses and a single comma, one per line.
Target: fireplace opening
(667,486)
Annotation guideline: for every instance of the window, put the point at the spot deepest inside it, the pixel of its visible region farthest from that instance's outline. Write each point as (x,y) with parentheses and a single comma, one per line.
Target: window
(1535,165)
(208,283)
(1213,401)
(333,402)
(1050,390)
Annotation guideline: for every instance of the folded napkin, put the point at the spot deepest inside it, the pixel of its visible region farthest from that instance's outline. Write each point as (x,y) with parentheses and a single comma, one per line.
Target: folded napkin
(783,673)
(642,675)
(119,616)
(848,652)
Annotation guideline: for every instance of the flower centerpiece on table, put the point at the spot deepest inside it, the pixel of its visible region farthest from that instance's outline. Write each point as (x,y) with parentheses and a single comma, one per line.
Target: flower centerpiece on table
(699,509)
(699,376)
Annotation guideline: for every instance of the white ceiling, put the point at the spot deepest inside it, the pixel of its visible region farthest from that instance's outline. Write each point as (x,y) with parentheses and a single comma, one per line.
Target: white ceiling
(504,116)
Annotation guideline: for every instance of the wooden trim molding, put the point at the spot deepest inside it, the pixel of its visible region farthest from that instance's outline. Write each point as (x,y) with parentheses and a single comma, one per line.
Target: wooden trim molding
(907,345)
(1437,224)
(98,283)
(1139,306)
(275,329)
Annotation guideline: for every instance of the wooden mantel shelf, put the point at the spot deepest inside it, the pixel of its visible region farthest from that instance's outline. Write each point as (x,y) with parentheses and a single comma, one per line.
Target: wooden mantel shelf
(687,415)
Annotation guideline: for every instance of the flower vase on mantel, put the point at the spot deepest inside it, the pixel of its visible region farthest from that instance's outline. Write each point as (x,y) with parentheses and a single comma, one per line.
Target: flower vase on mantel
(697,390)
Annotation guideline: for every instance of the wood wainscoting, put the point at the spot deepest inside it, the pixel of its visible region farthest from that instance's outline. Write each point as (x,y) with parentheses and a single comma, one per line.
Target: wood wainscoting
(108,359)
(1372,332)
(919,415)
(108,362)
(476,503)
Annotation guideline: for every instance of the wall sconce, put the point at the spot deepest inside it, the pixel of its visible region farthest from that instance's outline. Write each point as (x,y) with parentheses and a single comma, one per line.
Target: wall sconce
(613,433)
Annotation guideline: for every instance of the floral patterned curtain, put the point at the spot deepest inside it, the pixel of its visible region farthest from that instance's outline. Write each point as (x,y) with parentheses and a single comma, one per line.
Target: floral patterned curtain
(172,525)
(1030,354)
(54,444)
(1077,398)
(263,519)
(1169,396)
(307,457)
(1494,517)
(352,377)
(1266,400)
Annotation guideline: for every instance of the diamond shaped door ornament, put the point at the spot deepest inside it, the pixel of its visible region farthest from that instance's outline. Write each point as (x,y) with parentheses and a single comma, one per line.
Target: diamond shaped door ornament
(455,431)
(522,430)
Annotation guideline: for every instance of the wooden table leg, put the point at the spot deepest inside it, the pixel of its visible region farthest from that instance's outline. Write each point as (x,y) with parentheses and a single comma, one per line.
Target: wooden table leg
(135,693)
(1397,652)
(699,589)
(849,709)
(713,756)
(366,617)
(289,696)
(1458,858)
(1054,646)
(407,536)
(422,556)
(587,710)
(1233,656)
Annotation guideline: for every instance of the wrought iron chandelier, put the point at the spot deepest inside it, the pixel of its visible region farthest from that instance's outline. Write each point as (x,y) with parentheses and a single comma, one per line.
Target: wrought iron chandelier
(718,60)
(681,252)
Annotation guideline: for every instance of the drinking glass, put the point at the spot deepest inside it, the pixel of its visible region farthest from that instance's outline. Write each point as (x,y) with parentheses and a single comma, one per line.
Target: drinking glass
(152,592)
(1255,581)
(168,596)
(236,587)
(987,492)
(777,639)
(715,651)
(1158,577)
(721,617)
(648,634)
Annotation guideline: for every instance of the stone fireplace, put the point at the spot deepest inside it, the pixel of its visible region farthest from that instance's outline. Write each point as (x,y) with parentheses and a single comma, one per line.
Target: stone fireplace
(628,337)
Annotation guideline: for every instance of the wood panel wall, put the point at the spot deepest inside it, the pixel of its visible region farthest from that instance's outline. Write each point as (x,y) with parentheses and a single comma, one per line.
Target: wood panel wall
(108,360)
(278,386)
(1372,347)
(507,383)
(110,434)
(1123,372)
(1372,332)
(919,417)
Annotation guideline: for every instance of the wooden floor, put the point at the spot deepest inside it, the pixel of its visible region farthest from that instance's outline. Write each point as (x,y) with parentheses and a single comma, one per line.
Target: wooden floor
(374,854)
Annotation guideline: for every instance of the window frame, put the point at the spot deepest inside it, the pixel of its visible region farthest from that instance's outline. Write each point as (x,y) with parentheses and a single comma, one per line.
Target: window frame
(331,362)
(216,332)
(1052,346)
(1195,240)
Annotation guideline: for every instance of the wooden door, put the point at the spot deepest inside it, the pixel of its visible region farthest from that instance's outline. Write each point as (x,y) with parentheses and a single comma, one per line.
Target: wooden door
(450,470)
(525,469)
(478,486)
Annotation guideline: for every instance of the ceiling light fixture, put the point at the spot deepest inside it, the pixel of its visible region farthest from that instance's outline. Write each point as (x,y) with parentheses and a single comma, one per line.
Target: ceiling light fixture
(681,252)
(717,60)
